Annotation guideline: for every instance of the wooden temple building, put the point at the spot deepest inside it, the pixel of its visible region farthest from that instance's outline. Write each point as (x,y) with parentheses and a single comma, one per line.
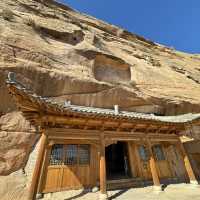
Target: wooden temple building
(85,147)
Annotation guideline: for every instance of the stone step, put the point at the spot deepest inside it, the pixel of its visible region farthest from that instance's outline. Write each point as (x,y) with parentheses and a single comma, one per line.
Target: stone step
(124,183)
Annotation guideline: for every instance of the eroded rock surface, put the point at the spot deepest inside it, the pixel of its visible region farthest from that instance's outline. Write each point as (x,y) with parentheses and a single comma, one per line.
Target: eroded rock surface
(82,59)
(17,138)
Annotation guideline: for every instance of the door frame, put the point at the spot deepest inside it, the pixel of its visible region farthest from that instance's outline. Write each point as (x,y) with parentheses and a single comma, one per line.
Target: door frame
(125,148)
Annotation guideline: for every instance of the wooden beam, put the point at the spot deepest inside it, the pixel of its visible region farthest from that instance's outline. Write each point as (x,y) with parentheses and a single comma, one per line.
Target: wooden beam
(75,135)
(133,128)
(73,141)
(36,174)
(163,137)
(122,138)
(109,122)
(66,133)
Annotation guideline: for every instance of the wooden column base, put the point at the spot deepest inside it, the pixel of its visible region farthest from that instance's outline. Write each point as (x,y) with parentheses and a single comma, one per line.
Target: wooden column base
(157,188)
(39,196)
(194,182)
(103,196)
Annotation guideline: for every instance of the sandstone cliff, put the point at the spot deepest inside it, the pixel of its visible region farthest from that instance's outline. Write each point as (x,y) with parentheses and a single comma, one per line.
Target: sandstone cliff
(66,55)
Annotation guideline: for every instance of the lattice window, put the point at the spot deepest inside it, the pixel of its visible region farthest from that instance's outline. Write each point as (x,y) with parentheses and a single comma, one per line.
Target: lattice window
(84,154)
(56,155)
(158,152)
(71,154)
(143,152)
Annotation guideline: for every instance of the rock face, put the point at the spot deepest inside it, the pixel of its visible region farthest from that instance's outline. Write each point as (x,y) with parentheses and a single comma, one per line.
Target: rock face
(66,55)
(85,60)
(16,140)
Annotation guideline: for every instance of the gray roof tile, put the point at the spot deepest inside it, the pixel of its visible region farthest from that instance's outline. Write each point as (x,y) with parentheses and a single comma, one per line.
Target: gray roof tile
(101,111)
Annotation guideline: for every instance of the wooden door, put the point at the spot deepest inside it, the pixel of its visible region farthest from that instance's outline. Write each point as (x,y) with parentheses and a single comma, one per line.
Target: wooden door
(132,159)
(54,170)
(142,155)
(195,158)
(161,162)
(69,167)
(53,179)
(176,162)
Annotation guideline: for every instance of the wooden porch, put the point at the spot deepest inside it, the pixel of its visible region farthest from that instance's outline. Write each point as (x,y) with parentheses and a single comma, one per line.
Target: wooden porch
(74,142)
(152,169)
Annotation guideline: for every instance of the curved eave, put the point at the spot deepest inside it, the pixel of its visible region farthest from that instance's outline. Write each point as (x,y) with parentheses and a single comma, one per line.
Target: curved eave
(29,102)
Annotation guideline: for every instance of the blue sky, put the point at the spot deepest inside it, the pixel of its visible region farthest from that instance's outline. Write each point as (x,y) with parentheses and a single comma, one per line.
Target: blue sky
(175,23)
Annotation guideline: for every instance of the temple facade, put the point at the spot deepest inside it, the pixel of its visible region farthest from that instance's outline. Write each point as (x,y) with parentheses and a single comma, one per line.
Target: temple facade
(86,147)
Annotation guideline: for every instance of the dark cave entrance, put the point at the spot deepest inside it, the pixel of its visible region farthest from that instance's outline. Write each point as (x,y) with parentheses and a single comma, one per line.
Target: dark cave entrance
(117,165)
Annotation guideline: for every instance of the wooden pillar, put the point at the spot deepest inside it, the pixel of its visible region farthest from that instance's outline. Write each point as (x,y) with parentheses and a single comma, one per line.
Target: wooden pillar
(187,163)
(44,168)
(103,190)
(154,172)
(38,166)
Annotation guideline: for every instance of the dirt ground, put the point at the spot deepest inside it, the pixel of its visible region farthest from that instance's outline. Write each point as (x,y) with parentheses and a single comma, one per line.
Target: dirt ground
(171,192)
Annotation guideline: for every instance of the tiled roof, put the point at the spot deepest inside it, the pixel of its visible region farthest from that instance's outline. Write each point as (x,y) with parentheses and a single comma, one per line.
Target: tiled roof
(125,114)
(68,108)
